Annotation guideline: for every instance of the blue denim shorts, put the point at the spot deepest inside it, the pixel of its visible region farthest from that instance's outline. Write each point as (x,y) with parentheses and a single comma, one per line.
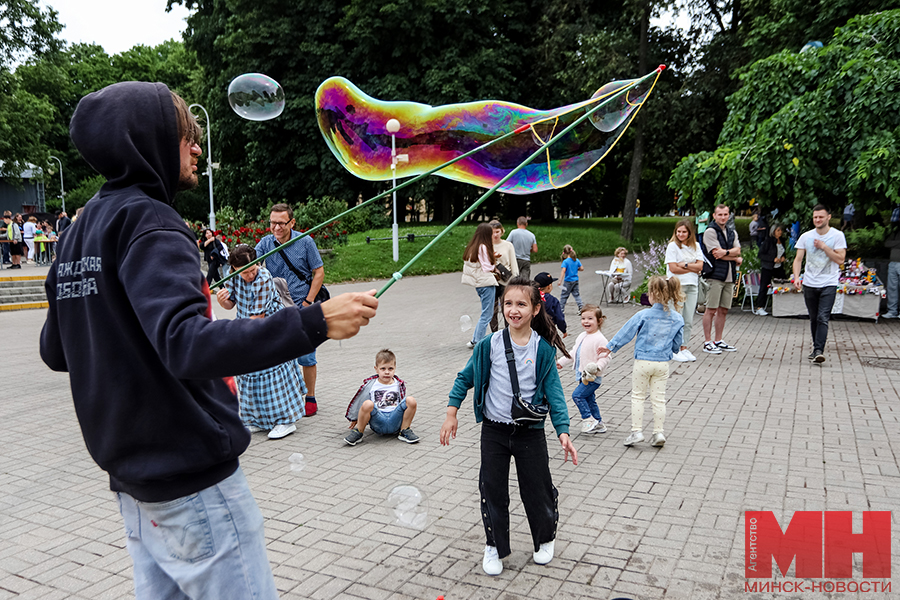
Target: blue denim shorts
(387,423)
(308,360)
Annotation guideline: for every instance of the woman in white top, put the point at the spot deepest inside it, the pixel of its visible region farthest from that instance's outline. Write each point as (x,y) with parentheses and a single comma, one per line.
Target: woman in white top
(505,254)
(478,271)
(620,276)
(685,261)
(28,231)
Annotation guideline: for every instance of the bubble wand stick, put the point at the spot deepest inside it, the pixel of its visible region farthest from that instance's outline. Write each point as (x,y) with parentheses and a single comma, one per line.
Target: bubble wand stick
(545,148)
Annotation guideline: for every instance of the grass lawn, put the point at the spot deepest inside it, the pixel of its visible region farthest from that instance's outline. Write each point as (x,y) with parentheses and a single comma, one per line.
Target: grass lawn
(359,261)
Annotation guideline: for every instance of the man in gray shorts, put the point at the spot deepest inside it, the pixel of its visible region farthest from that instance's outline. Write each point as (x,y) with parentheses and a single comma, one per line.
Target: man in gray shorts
(723,253)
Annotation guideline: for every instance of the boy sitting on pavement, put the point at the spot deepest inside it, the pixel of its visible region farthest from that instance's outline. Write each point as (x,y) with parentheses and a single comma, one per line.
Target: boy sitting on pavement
(545,283)
(381,403)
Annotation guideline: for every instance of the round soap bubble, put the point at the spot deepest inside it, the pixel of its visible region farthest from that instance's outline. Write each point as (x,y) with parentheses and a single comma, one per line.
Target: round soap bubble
(407,506)
(256,97)
(298,463)
(465,323)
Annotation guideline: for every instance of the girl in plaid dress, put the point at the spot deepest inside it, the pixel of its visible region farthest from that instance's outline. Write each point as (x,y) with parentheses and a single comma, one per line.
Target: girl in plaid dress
(271,399)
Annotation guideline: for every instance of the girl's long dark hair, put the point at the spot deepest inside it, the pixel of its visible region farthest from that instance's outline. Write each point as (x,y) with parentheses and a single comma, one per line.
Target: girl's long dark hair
(483,237)
(541,322)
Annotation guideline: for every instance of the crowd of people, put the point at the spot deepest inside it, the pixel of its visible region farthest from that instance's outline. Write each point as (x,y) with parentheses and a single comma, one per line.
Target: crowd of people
(29,237)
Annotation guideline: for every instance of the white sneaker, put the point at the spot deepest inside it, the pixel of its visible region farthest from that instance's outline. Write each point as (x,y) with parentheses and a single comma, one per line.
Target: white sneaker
(680,357)
(761,312)
(690,355)
(545,553)
(588,425)
(254,429)
(634,438)
(492,564)
(658,440)
(280,431)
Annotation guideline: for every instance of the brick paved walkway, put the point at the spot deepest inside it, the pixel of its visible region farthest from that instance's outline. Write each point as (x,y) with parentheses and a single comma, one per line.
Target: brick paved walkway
(758,429)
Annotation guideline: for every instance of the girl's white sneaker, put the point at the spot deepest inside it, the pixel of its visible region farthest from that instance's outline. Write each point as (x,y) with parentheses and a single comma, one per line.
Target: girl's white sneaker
(492,564)
(544,553)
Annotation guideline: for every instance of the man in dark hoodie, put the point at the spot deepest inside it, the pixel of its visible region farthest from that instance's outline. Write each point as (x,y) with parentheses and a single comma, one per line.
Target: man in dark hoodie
(129,308)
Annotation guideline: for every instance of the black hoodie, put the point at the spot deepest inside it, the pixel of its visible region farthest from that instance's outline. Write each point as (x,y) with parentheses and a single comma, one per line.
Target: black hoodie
(129,315)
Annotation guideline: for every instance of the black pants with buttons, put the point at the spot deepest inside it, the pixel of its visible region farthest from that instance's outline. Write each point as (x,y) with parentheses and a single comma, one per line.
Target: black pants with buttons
(500,442)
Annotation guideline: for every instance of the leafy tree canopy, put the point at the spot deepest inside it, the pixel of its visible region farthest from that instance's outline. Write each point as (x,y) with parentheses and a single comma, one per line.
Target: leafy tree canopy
(817,126)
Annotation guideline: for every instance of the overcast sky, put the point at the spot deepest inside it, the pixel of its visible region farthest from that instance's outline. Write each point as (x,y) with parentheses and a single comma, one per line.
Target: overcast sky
(118,25)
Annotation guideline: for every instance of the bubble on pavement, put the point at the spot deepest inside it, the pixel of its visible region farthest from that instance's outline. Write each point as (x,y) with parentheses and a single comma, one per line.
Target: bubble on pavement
(407,506)
(298,463)
(465,323)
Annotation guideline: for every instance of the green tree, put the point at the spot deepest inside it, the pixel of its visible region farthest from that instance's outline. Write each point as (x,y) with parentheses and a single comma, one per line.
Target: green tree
(25,31)
(818,126)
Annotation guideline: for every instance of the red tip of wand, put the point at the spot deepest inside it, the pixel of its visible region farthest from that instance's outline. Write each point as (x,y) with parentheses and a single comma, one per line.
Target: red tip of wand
(661,68)
(522,128)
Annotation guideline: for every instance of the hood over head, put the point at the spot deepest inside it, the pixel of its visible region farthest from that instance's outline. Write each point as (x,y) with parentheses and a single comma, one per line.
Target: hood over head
(128,132)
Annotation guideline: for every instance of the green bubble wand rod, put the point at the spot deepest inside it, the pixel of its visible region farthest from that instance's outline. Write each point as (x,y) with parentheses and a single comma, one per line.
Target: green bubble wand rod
(399,274)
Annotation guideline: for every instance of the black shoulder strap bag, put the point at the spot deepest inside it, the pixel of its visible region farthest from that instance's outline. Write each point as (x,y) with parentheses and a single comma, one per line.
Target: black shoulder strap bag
(323,294)
(523,413)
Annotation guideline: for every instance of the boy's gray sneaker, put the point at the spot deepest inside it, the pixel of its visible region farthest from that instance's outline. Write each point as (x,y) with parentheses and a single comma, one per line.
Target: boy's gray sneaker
(354,437)
(407,435)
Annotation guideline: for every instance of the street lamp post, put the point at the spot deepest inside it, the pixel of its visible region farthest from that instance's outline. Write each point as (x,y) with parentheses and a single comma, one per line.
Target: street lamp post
(393,126)
(209,164)
(62,189)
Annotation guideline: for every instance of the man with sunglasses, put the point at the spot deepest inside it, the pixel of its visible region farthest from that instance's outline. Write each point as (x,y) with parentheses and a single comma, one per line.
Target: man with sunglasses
(301,267)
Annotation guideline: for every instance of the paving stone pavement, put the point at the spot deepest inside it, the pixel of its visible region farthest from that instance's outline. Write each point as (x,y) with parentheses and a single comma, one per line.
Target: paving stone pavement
(757,429)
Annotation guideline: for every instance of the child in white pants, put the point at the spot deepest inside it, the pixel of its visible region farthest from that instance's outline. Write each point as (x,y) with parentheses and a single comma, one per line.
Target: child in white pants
(659,331)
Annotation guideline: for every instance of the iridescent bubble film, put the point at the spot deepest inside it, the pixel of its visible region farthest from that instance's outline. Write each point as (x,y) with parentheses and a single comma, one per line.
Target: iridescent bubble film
(354,127)
(256,97)
(407,506)
(465,323)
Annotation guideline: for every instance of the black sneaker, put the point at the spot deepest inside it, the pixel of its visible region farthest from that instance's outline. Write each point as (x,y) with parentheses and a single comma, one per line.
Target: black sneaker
(812,355)
(407,435)
(354,437)
(819,357)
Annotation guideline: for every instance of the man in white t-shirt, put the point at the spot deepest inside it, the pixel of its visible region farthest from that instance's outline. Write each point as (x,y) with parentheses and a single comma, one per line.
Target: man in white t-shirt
(525,244)
(825,249)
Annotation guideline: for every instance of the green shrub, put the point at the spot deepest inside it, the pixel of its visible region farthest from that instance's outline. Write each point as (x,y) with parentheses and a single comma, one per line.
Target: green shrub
(373,216)
(868,242)
(317,211)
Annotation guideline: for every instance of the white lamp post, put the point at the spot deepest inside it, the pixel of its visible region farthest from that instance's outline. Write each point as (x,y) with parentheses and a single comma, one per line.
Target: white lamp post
(62,189)
(393,126)
(209,164)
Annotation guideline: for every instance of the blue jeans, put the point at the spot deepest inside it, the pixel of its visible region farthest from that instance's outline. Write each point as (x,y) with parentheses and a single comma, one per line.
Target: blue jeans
(584,399)
(570,287)
(387,423)
(819,302)
(487,307)
(206,545)
(893,288)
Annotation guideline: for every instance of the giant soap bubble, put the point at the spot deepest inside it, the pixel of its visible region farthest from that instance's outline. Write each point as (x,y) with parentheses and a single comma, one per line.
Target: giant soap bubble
(256,97)
(407,506)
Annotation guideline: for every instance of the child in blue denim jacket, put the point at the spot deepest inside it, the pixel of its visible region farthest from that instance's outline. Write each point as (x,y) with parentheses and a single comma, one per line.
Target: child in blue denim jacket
(659,332)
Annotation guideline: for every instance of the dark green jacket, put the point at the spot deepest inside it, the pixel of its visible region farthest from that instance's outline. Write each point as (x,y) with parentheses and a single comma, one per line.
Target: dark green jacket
(477,374)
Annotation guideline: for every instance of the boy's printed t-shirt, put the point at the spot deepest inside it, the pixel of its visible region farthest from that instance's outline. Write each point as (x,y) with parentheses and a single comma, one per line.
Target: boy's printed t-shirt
(820,271)
(571,266)
(386,397)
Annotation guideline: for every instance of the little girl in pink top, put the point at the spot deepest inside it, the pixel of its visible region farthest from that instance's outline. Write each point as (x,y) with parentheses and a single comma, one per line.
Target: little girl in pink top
(589,366)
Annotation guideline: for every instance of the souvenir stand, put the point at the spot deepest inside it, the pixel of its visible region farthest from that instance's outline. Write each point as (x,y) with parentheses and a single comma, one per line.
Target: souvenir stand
(859,294)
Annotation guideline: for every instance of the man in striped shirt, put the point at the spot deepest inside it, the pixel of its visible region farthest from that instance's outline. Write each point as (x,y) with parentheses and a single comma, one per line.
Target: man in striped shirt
(301,266)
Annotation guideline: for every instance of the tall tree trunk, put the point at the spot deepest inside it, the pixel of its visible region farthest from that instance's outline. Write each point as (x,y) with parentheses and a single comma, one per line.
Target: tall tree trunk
(637,158)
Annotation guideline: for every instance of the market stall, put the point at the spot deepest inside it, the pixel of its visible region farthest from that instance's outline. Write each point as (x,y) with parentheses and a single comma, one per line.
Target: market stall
(859,294)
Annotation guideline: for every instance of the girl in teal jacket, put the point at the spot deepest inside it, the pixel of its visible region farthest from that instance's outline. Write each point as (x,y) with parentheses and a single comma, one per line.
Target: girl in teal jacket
(533,337)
